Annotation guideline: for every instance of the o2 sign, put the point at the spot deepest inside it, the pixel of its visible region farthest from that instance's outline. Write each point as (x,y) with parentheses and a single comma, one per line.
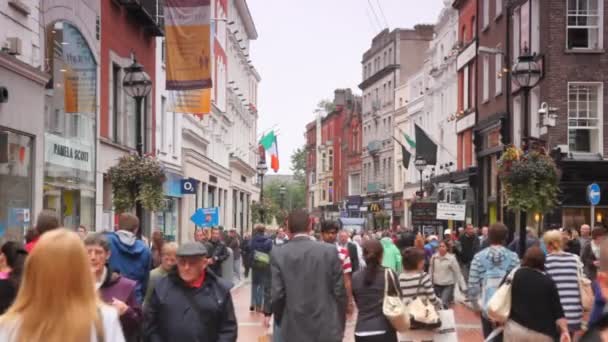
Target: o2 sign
(188,186)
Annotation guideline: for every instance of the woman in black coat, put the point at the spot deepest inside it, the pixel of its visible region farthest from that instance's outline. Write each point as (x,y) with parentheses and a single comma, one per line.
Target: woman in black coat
(14,255)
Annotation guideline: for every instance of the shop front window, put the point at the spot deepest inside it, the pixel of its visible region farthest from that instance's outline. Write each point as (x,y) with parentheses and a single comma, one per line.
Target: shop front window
(15,184)
(70,127)
(167,218)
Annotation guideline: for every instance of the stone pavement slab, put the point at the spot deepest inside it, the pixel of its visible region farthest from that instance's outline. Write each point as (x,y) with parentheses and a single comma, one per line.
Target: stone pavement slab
(251,327)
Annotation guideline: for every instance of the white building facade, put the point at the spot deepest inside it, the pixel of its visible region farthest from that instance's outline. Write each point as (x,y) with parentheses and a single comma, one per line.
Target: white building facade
(23,78)
(430,101)
(219,149)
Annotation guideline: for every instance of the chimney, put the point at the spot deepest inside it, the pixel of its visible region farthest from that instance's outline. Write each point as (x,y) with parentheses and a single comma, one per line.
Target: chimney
(339,98)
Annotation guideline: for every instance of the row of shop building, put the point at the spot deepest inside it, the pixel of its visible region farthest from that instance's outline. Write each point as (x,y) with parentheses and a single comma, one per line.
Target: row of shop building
(65,117)
(453,80)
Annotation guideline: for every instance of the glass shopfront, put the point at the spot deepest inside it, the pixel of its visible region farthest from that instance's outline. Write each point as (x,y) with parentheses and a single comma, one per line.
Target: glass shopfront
(70,127)
(167,219)
(16,184)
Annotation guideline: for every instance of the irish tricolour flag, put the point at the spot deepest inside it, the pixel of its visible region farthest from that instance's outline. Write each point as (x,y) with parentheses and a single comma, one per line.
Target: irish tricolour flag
(269,142)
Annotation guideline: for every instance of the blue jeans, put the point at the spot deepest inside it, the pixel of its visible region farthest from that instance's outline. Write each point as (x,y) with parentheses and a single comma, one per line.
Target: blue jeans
(276,333)
(237,269)
(258,282)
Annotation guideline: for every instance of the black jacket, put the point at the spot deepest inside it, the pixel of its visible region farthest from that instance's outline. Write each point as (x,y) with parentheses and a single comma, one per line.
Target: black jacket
(170,316)
(354,256)
(469,246)
(8,292)
(219,253)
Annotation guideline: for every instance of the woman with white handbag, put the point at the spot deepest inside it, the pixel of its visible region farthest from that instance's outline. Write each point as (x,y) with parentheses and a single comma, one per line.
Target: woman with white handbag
(419,296)
(372,287)
(536,313)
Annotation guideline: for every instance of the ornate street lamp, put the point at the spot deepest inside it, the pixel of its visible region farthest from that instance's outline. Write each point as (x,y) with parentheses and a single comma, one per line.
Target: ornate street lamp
(282,192)
(137,84)
(262,169)
(526,73)
(420,165)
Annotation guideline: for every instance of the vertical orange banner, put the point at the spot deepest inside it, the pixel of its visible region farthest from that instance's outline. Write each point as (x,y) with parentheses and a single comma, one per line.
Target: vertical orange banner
(187,37)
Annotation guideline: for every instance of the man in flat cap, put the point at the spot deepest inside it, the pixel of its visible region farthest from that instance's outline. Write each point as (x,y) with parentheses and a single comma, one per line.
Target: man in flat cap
(191,304)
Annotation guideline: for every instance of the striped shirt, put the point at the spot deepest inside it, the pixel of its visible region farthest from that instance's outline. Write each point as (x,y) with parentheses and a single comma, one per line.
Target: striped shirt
(345,259)
(413,283)
(563,268)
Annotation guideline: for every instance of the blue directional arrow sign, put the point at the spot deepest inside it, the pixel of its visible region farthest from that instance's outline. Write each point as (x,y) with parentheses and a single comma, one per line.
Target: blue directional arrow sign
(594,194)
(206,217)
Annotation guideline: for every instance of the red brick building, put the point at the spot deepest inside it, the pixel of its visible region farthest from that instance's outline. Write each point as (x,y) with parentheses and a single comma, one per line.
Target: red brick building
(128,31)
(467,68)
(491,132)
(467,95)
(569,40)
(333,156)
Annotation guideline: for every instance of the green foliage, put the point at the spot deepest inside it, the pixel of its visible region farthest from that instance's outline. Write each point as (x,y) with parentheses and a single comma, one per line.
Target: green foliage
(270,211)
(530,180)
(326,105)
(137,179)
(382,220)
(298,164)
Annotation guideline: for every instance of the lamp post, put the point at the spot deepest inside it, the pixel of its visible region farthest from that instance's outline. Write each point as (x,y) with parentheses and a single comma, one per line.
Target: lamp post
(526,73)
(282,192)
(137,84)
(262,169)
(420,165)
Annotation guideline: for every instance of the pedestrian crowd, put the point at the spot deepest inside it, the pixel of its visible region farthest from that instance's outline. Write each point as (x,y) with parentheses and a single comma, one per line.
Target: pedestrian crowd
(307,283)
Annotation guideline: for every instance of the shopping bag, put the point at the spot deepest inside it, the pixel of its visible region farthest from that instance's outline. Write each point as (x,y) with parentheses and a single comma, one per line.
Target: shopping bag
(265,338)
(447,331)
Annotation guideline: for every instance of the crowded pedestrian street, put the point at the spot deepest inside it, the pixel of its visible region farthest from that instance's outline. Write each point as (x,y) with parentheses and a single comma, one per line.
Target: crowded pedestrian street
(303,171)
(251,325)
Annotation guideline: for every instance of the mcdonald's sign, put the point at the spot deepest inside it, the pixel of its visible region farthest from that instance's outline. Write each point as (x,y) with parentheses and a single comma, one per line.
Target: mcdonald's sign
(375,207)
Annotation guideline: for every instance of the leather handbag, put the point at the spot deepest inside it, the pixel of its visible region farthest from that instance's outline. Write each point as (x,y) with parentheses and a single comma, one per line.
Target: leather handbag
(392,306)
(423,314)
(586,290)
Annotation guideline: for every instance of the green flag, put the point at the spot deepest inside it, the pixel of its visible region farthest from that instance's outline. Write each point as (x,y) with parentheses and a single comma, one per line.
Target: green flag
(409,140)
(268,140)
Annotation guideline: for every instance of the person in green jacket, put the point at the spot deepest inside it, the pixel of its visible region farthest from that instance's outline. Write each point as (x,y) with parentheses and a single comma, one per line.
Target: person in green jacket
(392,255)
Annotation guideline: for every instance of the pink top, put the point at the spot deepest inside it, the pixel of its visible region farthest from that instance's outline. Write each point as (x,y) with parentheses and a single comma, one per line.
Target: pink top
(4,275)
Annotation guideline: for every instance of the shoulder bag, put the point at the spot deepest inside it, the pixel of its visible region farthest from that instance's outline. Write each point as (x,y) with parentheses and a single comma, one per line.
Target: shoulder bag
(499,306)
(584,284)
(392,306)
(423,314)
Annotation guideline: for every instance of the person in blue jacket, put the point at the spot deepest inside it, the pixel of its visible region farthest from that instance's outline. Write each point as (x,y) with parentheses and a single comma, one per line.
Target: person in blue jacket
(129,256)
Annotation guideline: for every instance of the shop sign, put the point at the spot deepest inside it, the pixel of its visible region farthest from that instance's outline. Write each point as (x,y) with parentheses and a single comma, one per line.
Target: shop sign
(448,211)
(206,217)
(188,186)
(375,207)
(68,153)
(425,214)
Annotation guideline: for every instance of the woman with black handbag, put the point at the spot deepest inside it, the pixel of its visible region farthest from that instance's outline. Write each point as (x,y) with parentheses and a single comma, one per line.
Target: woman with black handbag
(368,291)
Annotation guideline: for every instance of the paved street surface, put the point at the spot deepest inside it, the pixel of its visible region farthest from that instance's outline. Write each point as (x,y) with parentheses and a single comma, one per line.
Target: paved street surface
(251,324)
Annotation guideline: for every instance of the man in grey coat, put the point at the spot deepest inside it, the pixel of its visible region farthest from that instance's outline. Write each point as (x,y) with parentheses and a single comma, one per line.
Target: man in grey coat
(307,286)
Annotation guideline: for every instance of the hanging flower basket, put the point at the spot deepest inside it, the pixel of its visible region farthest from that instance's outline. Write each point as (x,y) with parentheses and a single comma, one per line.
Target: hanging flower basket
(530,181)
(137,179)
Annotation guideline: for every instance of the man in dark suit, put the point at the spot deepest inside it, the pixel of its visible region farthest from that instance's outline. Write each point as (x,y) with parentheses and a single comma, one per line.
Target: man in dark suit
(308,291)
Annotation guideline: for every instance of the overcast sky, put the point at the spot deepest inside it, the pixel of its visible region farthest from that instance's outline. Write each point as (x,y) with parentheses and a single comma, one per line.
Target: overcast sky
(308,48)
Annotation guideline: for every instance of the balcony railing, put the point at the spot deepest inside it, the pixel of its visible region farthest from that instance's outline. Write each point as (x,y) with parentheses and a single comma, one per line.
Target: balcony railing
(374,187)
(374,146)
(149,12)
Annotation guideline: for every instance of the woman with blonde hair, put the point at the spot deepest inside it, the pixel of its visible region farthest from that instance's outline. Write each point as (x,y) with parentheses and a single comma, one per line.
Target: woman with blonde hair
(564,268)
(57,301)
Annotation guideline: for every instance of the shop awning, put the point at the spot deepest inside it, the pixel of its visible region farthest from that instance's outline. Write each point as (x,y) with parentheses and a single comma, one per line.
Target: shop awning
(352,221)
